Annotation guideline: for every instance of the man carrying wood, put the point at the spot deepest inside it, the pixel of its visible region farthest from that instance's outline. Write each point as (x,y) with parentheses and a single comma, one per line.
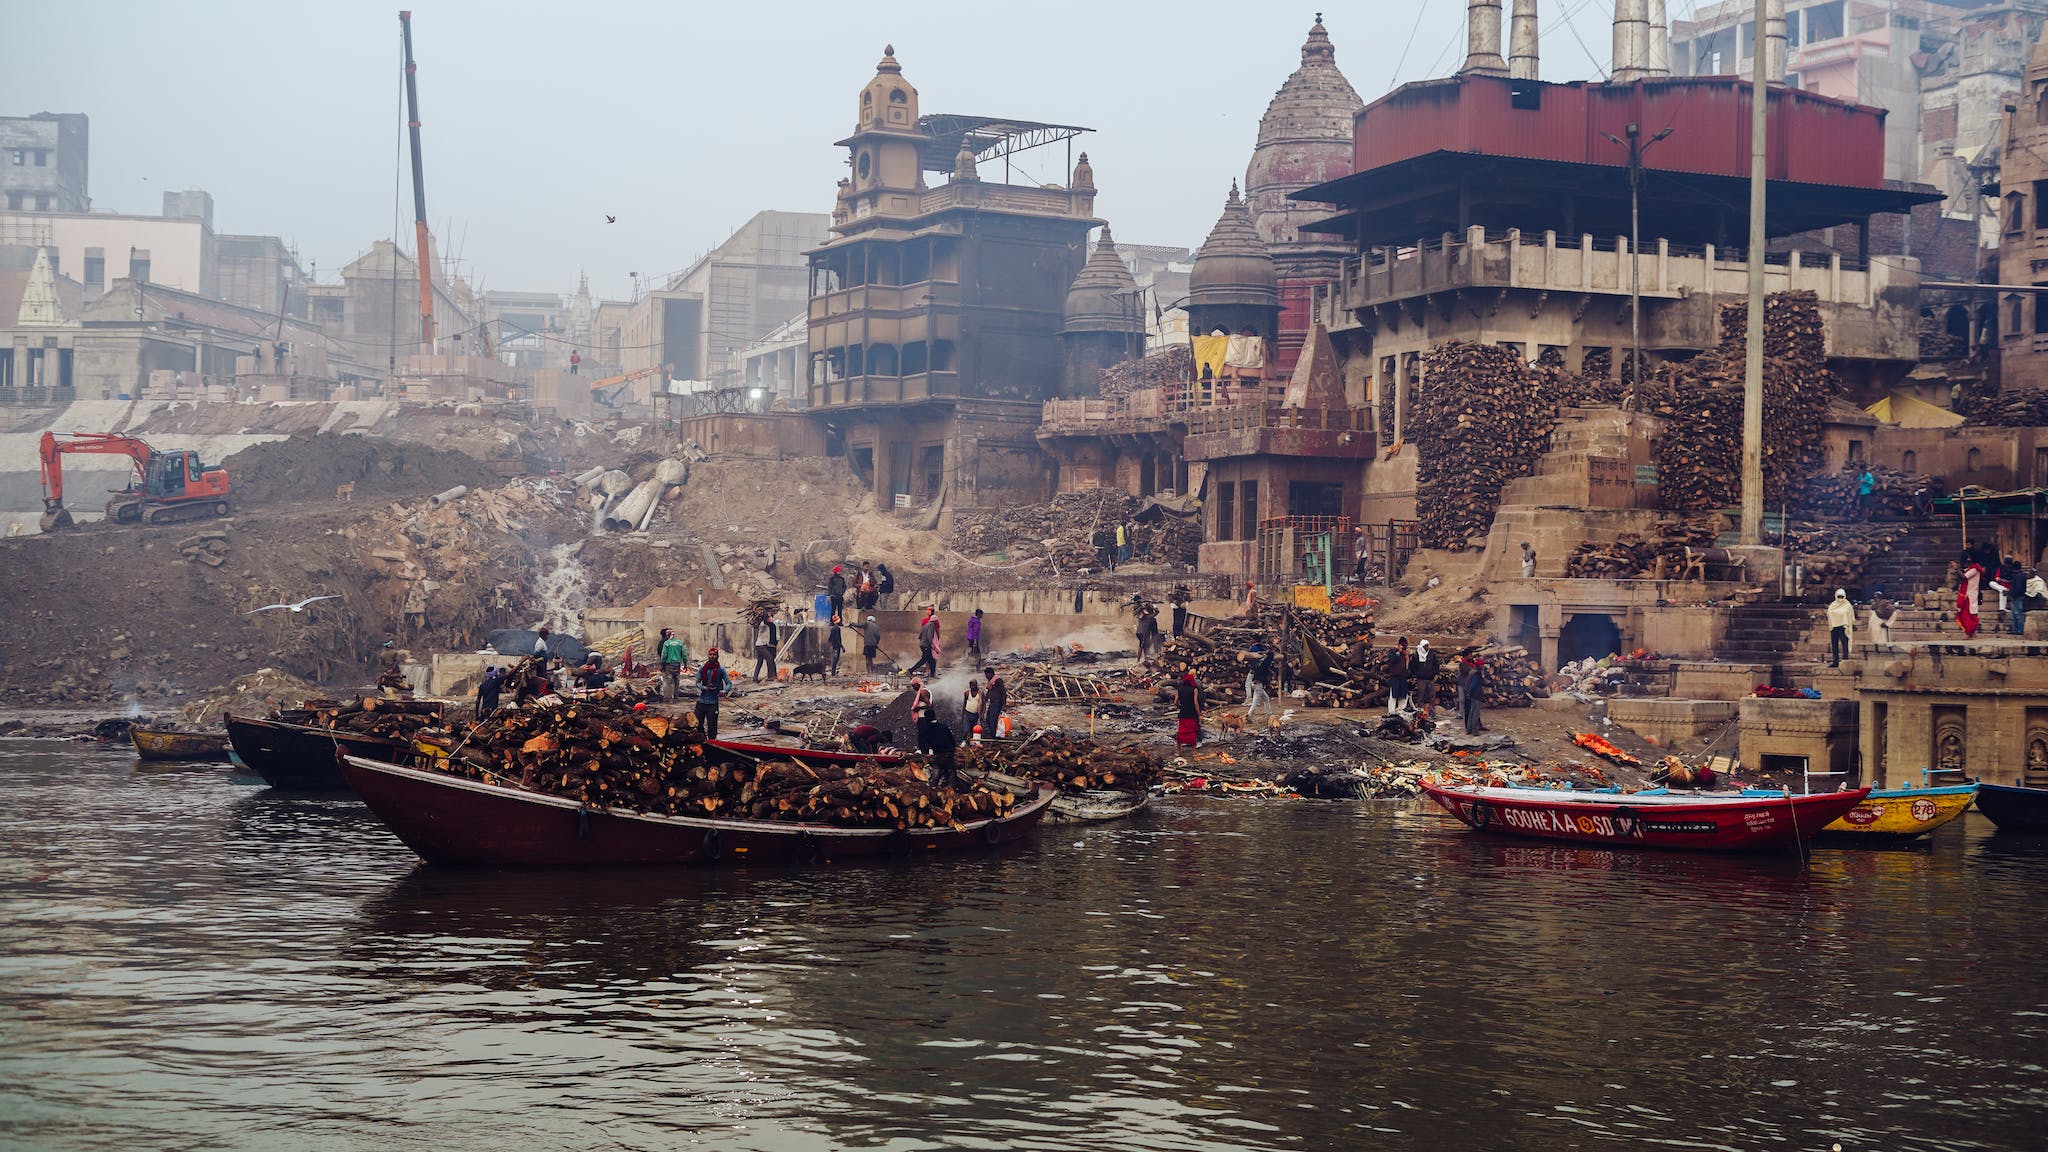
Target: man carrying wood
(713,685)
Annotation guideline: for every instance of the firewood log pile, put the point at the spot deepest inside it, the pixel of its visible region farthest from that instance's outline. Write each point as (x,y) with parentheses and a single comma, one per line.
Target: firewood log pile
(1064,530)
(1699,463)
(1833,494)
(1834,555)
(1072,763)
(1632,555)
(1484,419)
(2015,409)
(606,756)
(367,716)
(1173,364)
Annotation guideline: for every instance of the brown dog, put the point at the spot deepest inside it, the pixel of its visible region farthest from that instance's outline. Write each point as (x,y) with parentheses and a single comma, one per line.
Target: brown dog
(345,491)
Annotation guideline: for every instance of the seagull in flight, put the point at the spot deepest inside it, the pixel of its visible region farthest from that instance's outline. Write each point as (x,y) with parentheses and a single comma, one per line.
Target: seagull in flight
(610,219)
(299,607)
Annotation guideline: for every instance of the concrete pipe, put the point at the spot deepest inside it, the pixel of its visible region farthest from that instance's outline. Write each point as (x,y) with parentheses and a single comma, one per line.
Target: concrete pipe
(451,495)
(587,478)
(614,482)
(627,515)
(671,472)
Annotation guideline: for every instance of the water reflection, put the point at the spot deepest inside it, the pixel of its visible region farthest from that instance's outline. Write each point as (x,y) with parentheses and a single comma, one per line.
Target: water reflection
(195,961)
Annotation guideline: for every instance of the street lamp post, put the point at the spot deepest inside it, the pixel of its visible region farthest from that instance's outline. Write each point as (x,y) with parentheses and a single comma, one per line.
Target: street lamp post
(1636,146)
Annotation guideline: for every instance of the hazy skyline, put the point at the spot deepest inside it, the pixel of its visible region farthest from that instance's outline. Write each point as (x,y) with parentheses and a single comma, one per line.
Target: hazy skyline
(681,120)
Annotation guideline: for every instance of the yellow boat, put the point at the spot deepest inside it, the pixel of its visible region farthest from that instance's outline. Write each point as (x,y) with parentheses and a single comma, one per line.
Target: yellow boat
(1902,813)
(169,744)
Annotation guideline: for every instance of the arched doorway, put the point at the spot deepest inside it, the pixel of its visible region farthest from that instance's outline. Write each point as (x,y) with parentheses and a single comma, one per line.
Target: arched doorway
(1586,634)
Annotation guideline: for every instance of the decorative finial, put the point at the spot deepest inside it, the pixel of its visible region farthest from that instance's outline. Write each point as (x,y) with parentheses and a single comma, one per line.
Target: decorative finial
(890,49)
(1234,197)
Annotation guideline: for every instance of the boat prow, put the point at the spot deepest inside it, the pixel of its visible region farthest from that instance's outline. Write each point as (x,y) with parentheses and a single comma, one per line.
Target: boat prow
(166,744)
(1892,815)
(2014,809)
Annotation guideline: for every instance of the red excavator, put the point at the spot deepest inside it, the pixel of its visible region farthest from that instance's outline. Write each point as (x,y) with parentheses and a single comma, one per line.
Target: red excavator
(167,487)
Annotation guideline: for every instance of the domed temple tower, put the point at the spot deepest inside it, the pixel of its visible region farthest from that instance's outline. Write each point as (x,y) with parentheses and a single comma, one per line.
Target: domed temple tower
(1105,319)
(1305,139)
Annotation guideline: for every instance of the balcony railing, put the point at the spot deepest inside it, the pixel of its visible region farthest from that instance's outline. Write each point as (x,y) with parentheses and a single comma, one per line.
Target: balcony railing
(853,391)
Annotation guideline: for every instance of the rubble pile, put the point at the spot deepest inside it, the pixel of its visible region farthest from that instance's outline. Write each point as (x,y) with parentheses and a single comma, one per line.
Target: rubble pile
(307,466)
(1700,453)
(1487,420)
(605,755)
(1073,763)
(1168,367)
(1833,494)
(257,693)
(1063,530)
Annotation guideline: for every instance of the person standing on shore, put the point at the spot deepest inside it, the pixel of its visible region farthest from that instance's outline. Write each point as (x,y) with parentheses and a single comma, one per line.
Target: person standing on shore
(1471,684)
(764,647)
(870,643)
(1187,700)
(671,654)
(1397,677)
(835,644)
(927,643)
(1258,678)
(1882,610)
(994,698)
(835,591)
(1422,673)
(714,684)
(974,636)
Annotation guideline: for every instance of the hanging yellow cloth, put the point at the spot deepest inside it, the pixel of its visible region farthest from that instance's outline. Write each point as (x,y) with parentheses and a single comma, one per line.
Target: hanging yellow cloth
(1210,354)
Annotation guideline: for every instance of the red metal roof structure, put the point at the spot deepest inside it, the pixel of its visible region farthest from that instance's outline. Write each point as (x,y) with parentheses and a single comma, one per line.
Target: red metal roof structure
(1443,155)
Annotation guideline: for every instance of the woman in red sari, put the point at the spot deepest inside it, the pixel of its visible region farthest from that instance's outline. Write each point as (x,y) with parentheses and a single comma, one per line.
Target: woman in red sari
(1188,703)
(1966,597)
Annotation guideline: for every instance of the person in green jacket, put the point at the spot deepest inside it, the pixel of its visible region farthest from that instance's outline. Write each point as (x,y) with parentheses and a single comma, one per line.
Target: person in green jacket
(672,655)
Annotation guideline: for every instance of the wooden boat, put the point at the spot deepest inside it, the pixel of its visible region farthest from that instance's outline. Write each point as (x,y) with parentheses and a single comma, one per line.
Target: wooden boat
(302,757)
(166,744)
(1697,823)
(753,753)
(455,820)
(1073,807)
(2014,809)
(1894,814)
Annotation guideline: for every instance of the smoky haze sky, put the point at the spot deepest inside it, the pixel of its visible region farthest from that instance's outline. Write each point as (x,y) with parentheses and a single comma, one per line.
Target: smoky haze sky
(681,119)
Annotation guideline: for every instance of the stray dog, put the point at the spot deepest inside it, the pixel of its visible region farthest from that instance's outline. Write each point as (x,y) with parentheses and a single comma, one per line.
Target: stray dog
(345,491)
(1230,721)
(814,668)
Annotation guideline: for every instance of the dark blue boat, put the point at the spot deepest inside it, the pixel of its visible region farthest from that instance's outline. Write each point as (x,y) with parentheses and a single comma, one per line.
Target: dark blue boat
(2014,809)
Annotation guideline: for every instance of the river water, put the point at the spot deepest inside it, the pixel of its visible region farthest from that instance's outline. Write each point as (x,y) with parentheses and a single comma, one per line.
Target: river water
(188,960)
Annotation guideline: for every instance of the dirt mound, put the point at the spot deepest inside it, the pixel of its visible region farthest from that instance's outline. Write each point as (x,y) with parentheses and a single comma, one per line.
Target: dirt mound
(306,466)
(255,694)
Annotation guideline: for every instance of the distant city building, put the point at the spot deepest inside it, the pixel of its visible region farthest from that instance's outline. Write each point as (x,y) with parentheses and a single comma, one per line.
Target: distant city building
(260,272)
(43,163)
(99,248)
(740,291)
(375,310)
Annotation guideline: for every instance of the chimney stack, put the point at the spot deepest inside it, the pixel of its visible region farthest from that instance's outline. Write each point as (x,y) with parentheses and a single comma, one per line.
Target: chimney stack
(1631,41)
(1522,41)
(1482,39)
(1658,60)
(1774,41)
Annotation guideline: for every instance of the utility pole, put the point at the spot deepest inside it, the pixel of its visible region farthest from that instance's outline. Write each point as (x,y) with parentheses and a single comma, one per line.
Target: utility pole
(1636,146)
(1753,358)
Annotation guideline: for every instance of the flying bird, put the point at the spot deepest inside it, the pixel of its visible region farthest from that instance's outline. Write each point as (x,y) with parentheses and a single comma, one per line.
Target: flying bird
(299,607)
(610,219)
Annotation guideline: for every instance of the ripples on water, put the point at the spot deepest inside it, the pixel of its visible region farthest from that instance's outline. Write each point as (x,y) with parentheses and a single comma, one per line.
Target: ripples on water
(189,960)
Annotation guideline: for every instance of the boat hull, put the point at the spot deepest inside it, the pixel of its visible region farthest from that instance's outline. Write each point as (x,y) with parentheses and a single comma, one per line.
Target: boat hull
(2014,809)
(1097,807)
(455,820)
(1734,824)
(156,744)
(303,758)
(1896,814)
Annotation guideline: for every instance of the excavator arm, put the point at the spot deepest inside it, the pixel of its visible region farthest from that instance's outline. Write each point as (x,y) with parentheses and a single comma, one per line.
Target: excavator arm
(54,450)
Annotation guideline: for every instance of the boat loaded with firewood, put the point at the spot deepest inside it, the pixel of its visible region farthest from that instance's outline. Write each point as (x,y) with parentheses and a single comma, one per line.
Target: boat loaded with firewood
(1707,822)
(170,744)
(453,819)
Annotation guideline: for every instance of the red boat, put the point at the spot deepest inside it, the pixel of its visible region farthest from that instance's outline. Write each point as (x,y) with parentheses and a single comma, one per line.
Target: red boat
(454,820)
(1696,823)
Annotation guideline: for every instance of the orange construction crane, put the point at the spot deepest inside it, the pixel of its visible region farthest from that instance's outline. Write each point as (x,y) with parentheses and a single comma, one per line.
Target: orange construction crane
(597,387)
(167,486)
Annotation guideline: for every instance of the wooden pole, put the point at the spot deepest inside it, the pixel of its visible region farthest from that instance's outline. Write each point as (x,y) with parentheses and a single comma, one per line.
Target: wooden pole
(1753,359)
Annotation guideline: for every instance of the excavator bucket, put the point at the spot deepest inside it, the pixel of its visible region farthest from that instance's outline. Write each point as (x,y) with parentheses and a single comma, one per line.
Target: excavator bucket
(56,519)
